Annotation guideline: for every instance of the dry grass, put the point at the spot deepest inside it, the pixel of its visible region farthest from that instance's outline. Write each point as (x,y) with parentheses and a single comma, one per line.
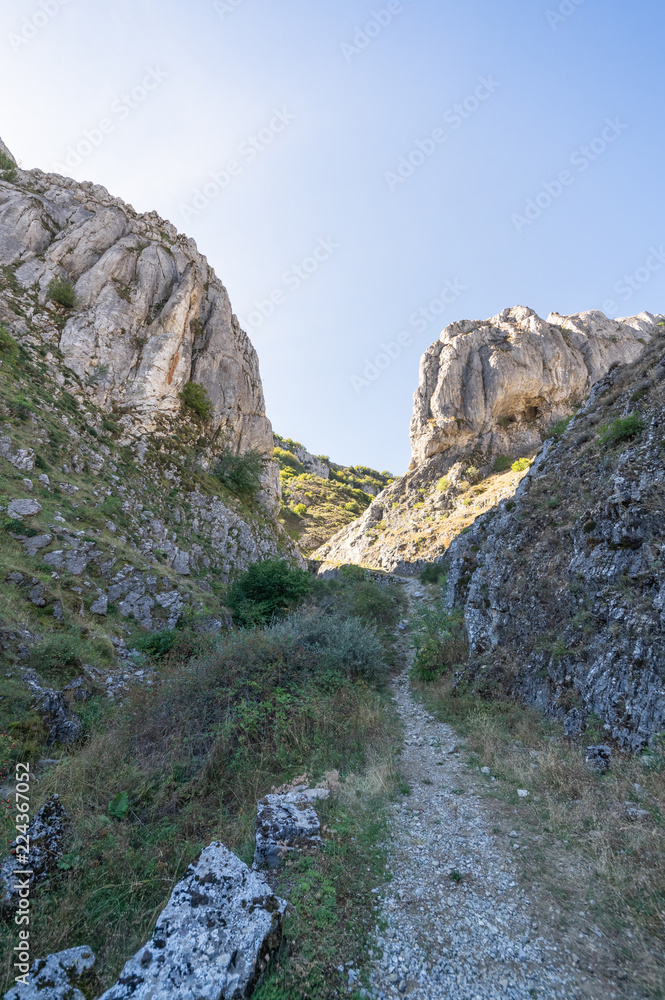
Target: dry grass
(578,843)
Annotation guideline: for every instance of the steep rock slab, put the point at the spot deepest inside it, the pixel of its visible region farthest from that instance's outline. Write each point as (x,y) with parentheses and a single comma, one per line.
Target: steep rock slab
(212,940)
(57,977)
(564,589)
(486,389)
(46,840)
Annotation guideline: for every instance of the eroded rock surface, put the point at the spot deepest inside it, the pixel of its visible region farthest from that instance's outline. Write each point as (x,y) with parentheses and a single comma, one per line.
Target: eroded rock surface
(57,977)
(286,821)
(487,389)
(563,586)
(46,835)
(212,940)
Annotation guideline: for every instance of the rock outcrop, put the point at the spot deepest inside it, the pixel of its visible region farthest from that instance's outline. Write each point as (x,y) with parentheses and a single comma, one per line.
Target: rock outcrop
(61,976)
(150,314)
(487,390)
(213,939)
(563,586)
(287,821)
(46,844)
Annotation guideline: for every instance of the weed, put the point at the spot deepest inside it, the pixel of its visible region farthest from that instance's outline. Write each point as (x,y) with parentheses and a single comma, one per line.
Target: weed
(521,465)
(558,429)
(7,167)
(440,642)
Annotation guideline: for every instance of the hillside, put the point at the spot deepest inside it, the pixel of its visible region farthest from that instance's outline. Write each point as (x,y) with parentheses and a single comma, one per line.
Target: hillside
(562,587)
(490,392)
(319,498)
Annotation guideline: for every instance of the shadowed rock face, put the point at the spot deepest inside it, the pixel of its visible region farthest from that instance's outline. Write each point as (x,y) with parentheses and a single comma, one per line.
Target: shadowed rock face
(150,313)
(486,389)
(495,387)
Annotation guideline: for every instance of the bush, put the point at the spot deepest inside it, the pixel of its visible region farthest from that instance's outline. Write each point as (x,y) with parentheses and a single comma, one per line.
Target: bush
(266,590)
(241,474)
(195,397)
(433,573)
(502,463)
(623,429)
(558,429)
(473,474)
(7,167)
(440,642)
(300,509)
(158,644)
(341,645)
(521,465)
(353,507)
(287,460)
(443,484)
(61,291)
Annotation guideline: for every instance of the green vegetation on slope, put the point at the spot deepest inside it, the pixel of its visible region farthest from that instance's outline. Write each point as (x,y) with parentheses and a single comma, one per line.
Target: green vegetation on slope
(183,762)
(315,508)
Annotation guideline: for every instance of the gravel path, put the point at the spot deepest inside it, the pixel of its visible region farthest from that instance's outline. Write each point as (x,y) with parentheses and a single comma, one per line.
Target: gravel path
(458,925)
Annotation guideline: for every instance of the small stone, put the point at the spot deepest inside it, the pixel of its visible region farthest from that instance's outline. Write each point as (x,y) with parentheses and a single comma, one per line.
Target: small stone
(523,793)
(57,977)
(599,756)
(484,770)
(44,480)
(27,483)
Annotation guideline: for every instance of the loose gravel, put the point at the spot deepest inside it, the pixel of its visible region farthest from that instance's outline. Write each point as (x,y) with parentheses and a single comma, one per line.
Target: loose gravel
(457,924)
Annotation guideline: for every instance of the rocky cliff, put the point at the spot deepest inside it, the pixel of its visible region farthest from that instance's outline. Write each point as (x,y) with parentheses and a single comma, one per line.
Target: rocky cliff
(563,587)
(125,383)
(489,393)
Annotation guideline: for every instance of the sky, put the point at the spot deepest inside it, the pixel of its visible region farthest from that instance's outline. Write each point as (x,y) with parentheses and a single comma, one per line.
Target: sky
(362,174)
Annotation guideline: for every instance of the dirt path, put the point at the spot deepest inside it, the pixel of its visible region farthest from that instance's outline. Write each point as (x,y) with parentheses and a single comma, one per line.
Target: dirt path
(458,924)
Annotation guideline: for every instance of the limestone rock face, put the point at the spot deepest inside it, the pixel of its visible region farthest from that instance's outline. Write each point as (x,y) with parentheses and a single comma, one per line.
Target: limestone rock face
(563,588)
(150,313)
(493,388)
(486,389)
(212,940)
(47,833)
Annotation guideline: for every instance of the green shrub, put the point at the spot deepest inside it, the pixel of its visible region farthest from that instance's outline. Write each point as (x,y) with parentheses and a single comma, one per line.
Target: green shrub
(61,291)
(241,474)
(473,474)
(7,167)
(287,460)
(353,507)
(119,805)
(559,428)
(61,656)
(266,590)
(300,509)
(341,644)
(158,644)
(111,505)
(433,572)
(502,463)
(195,397)
(440,642)
(623,429)
(443,484)
(521,465)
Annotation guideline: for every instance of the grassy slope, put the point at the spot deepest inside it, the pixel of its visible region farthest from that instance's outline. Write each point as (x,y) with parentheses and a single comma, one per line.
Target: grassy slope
(194,752)
(330,503)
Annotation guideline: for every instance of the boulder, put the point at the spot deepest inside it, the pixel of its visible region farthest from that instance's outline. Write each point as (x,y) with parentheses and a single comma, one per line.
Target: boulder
(57,977)
(213,939)
(286,821)
(23,508)
(600,757)
(47,842)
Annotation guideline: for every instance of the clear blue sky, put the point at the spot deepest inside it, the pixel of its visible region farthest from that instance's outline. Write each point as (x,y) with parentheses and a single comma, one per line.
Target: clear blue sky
(315,119)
